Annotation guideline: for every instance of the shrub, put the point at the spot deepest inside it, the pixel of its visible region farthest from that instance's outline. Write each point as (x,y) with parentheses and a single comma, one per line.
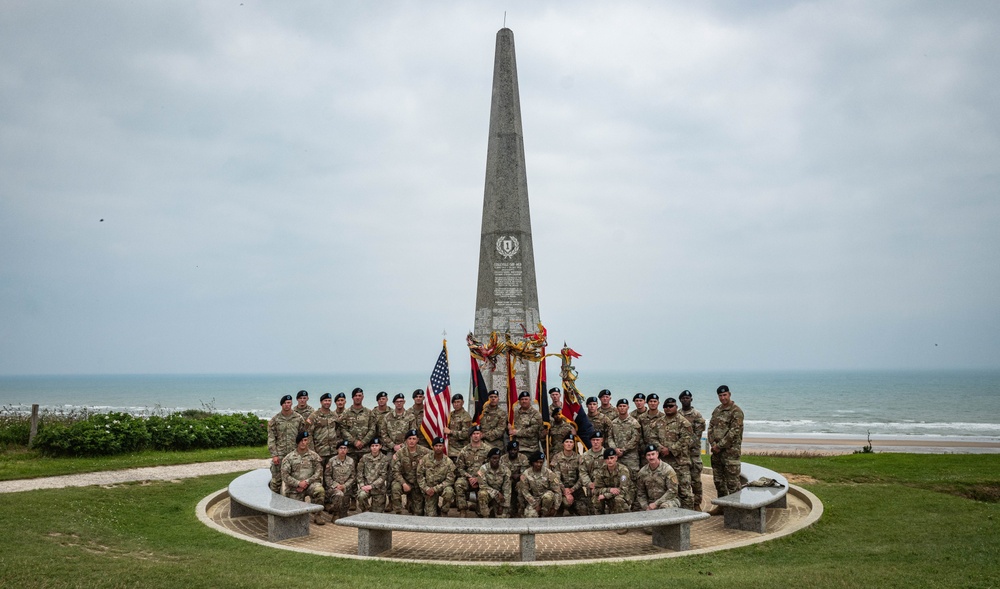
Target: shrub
(98,435)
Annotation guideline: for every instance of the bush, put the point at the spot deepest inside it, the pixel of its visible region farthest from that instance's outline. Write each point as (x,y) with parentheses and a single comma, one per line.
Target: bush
(98,435)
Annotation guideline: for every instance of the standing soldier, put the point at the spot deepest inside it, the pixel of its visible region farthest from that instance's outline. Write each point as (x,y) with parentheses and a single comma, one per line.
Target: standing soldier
(539,488)
(698,426)
(395,424)
(339,481)
(609,410)
(302,406)
(612,485)
(493,421)
(639,400)
(494,487)
(566,464)
(598,419)
(725,435)
(467,468)
(417,411)
(404,475)
(341,402)
(649,420)
(675,435)
(589,463)
(357,425)
(373,479)
(436,478)
(459,426)
(625,436)
(527,428)
(562,426)
(656,485)
(639,414)
(302,473)
(322,425)
(282,431)
(381,409)
(516,463)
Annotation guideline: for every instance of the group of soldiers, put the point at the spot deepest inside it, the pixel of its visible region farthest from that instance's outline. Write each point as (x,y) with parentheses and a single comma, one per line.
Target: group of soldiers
(377,459)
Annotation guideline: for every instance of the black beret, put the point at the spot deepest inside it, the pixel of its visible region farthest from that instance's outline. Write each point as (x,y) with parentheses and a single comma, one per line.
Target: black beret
(493,452)
(301,394)
(652,397)
(536,456)
(638,396)
(417,393)
(669,400)
(592,400)
(554,390)
(325,396)
(597,436)
(376,440)
(343,444)
(412,433)
(569,436)
(398,397)
(609,452)
(340,396)
(475,428)
(382,394)
(301,436)
(604,393)
(438,440)
(356,391)
(285,398)
(650,448)
(722,389)
(622,402)
(513,445)
(685,393)
(523,395)
(493,393)
(457,397)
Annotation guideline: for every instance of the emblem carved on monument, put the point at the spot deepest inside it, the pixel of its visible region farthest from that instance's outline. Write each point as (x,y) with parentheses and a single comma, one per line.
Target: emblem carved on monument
(507,246)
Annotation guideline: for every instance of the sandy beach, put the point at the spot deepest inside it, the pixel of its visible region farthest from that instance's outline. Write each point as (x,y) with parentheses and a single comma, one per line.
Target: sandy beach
(847,445)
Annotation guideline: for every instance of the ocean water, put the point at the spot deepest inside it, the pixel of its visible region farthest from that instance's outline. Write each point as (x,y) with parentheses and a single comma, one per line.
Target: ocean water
(948,404)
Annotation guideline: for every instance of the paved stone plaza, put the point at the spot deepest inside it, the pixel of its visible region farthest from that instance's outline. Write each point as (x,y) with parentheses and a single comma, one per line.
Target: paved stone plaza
(706,536)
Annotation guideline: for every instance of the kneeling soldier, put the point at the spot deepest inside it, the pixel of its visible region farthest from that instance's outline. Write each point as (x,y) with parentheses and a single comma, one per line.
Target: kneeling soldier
(302,473)
(656,482)
(404,475)
(373,479)
(566,464)
(436,478)
(611,483)
(339,479)
(494,487)
(539,488)
(467,468)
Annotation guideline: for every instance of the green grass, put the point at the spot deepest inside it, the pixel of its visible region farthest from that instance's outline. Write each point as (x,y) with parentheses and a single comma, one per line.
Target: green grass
(885,525)
(28,464)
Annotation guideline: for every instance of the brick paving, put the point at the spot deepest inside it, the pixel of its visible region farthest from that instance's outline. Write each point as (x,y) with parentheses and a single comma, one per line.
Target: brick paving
(331,539)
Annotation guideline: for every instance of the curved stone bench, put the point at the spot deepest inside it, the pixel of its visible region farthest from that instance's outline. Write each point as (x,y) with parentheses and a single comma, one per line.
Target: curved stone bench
(249,494)
(746,509)
(671,527)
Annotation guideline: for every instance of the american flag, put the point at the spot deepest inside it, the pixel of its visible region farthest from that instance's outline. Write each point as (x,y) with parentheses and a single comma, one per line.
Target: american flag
(437,401)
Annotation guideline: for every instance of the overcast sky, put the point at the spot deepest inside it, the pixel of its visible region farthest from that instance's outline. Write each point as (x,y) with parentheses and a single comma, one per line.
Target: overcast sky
(293,186)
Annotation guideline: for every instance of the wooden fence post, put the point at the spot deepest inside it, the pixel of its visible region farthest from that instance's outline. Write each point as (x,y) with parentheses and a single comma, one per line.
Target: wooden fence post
(34,424)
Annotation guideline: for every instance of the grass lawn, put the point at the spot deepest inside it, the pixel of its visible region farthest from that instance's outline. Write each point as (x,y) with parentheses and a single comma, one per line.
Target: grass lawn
(891,520)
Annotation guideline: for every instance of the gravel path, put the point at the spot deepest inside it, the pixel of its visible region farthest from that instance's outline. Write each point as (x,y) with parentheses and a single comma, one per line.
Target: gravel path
(149,473)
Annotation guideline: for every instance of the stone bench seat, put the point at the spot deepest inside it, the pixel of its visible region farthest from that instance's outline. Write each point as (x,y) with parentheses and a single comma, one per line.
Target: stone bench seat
(671,527)
(249,494)
(746,509)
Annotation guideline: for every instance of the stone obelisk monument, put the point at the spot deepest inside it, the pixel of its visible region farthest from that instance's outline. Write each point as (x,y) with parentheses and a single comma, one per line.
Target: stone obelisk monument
(507,296)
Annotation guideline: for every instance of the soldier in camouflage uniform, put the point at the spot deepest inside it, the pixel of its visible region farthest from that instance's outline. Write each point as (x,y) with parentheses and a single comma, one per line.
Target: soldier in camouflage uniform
(516,463)
(459,427)
(725,435)
(566,465)
(436,477)
(493,421)
(467,468)
(302,406)
(609,410)
(539,488)
(322,425)
(675,437)
(656,483)
(357,425)
(381,409)
(302,473)
(341,402)
(417,411)
(648,420)
(626,433)
(598,419)
(612,484)
(404,475)
(698,428)
(527,428)
(494,487)
(590,461)
(339,481)
(282,431)
(639,400)
(373,479)
(395,424)
(562,426)
(639,414)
